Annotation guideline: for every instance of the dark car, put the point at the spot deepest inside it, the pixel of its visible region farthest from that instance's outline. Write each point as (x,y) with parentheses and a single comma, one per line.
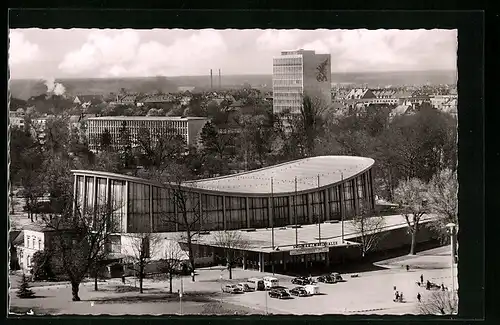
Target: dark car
(279,293)
(299,292)
(326,279)
(301,281)
(337,277)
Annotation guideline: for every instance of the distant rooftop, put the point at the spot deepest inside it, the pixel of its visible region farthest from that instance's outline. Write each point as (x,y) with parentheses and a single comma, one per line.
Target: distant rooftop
(147,118)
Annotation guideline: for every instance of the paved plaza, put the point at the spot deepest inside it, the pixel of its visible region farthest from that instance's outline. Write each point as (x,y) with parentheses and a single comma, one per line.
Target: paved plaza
(369,293)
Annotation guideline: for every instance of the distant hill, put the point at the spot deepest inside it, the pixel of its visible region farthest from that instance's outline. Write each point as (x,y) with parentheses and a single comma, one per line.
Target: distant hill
(24,88)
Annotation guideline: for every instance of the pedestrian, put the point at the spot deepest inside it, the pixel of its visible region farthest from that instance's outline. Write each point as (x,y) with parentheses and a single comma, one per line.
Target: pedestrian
(422,278)
(442,286)
(428,286)
(397,295)
(401,297)
(123,278)
(407,268)
(419,297)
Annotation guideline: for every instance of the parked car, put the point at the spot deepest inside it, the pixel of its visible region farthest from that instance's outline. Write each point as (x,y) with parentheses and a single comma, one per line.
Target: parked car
(257,284)
(337,277)
(231,288)
(270,282)
(245,287)
(326,279)
(279,293)
(301,281)
(312,289)
(299,292)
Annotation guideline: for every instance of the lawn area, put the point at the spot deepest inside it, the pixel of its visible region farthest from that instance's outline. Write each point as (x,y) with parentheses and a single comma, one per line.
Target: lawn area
(112,299)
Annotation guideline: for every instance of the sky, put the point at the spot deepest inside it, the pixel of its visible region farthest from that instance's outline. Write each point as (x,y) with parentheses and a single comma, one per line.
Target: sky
(101,53)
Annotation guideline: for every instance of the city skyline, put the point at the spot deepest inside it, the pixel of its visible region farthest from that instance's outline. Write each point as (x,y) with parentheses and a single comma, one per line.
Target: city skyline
(93,53)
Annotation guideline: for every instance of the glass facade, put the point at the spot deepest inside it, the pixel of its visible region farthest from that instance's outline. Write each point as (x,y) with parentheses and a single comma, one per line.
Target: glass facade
(318,206)
(164,217)
(334,202)
(213,212)
(258,214)
(280,211)
(139,207)
(235,213)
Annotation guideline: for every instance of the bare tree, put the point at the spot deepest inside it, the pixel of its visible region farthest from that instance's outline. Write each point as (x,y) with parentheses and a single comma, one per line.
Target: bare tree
(158,150)
(234,244)
(442,197)
(80,240)
(141,251)
(370,228)
(172,260)
(440,303)
(189,214)
(411,197)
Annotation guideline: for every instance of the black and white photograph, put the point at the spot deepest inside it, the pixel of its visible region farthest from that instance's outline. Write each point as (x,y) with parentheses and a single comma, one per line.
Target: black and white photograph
(233,172)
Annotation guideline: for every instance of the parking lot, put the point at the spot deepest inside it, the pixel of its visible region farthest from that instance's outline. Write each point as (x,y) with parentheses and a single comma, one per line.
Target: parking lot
(370,292)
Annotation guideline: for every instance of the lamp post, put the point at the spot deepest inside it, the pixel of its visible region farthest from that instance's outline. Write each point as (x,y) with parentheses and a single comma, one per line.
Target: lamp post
(272,225)
(319,215)
(265,294)
(180,295)
(221,292)
(342,203)
(452,227)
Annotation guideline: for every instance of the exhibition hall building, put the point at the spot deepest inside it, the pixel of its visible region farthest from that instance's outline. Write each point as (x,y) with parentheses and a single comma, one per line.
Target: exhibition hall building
(288,214)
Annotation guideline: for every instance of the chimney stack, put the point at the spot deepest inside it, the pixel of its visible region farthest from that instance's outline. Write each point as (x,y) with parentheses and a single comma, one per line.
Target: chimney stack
(211,79)
(220,86)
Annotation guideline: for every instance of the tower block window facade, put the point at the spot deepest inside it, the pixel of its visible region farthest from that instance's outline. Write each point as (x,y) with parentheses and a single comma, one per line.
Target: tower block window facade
(237,201)
(300,73)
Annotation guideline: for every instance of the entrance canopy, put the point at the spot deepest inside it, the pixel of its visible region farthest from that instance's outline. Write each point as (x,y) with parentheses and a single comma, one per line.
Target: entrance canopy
(303,239)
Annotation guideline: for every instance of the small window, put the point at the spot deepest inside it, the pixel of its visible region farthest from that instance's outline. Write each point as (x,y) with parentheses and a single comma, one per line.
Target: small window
(28,261)
(39,244)
(27,241)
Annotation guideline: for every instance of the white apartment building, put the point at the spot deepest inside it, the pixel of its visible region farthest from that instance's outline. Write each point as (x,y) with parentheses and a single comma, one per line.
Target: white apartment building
(299,73)
(35,238)
(189,127)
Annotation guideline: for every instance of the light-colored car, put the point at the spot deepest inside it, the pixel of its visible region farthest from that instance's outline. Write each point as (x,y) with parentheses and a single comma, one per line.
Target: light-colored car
(231,288)
(312,289)
(245,287)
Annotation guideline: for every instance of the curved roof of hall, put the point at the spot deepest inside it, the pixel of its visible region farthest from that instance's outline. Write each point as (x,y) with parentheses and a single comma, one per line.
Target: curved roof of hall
(330,169)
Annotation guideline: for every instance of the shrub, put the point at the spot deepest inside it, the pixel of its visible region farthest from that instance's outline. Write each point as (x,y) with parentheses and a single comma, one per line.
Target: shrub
(24,290)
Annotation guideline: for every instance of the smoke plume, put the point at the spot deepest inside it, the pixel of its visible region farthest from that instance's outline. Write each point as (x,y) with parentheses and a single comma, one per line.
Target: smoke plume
(54,87)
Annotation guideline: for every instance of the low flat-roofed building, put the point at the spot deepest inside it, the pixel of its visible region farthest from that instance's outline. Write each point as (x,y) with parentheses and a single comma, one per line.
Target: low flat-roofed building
(188,127)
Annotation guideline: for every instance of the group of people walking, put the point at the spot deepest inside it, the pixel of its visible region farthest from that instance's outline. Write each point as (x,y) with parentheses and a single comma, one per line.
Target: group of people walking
(428,285)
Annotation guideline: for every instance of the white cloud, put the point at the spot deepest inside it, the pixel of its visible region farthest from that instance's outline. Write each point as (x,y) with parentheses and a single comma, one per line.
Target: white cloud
(276,40)
(22,50)
(383,50)
(124,55)
(318,45)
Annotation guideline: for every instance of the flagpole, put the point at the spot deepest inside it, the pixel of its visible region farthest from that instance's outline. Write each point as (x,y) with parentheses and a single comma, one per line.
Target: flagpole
(343,207)
(295,213)
(272,223)
(319,217)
